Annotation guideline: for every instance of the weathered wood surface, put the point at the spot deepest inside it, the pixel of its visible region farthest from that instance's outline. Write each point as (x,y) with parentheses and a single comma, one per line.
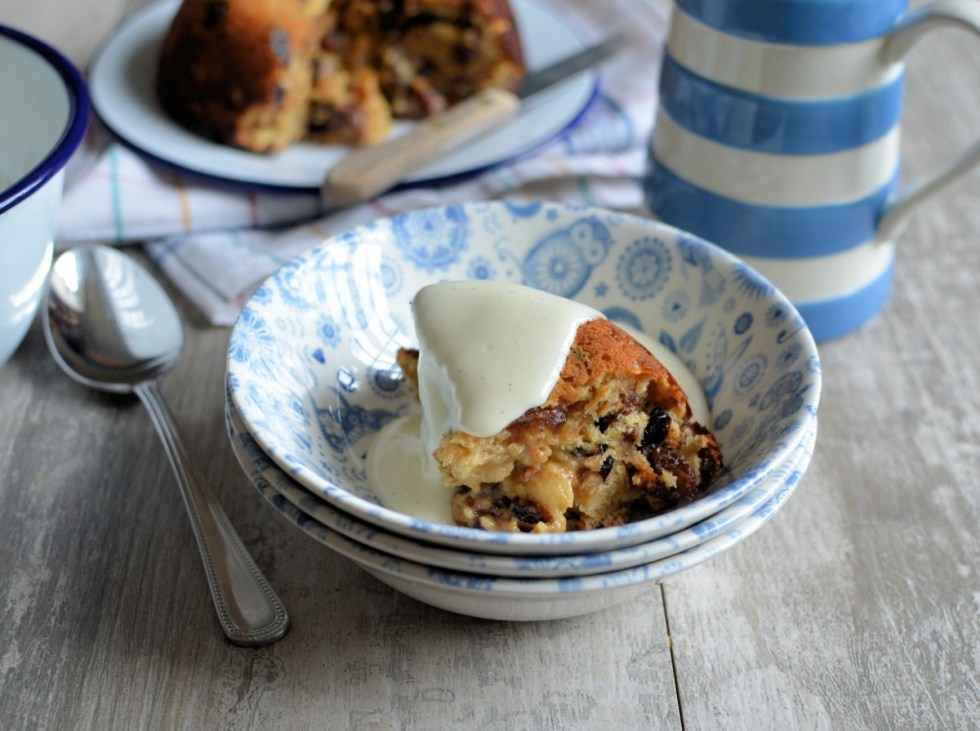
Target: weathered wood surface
(857,607)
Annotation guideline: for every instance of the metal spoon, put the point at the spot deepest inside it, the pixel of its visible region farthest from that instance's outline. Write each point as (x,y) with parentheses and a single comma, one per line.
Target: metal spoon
(111,326)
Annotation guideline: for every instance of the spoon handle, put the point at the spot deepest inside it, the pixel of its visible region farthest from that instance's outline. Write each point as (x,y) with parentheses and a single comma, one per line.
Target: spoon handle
(249,610)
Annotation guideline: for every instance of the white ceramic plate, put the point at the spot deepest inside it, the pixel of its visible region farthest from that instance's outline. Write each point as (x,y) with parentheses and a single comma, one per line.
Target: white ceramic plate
(311,360)
(121,82)
(253,459)
(510,599)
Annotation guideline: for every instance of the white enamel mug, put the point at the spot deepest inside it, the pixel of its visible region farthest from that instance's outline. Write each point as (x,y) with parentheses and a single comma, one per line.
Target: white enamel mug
(44,112)
(777,138)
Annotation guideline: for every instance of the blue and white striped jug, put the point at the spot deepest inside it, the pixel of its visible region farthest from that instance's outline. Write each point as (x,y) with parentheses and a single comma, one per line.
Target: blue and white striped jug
(777,138)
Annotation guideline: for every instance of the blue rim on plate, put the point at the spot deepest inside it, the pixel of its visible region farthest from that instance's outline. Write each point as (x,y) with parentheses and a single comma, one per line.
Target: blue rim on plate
(254,461)
(74,130)
(128,60)
(311,364)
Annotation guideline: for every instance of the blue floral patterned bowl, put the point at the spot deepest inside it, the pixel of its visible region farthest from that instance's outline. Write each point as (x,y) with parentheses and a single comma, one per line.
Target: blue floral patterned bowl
(276,486)
(478,590)
(311,361)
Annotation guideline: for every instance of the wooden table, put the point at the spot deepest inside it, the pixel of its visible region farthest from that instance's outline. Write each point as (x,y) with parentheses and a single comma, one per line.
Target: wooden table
(857,607)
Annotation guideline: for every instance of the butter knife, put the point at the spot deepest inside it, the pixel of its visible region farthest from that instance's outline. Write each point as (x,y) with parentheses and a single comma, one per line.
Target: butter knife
(369,171)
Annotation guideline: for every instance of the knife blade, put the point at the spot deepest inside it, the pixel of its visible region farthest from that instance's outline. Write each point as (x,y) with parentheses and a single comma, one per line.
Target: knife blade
(369,171)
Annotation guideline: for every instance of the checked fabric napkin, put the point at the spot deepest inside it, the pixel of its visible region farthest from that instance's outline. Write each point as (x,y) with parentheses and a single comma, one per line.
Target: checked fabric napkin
(217,244)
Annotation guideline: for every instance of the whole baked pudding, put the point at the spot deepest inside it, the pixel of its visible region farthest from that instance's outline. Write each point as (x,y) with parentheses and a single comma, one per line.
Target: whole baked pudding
(263,74)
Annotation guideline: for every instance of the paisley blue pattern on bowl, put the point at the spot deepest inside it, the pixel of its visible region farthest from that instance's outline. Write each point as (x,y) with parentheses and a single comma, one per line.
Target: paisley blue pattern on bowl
(516,599)
(311,360)
(255,461)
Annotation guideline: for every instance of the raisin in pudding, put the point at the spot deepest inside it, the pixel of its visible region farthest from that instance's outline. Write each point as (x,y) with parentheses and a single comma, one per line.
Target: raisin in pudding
(540,415)
(263,74)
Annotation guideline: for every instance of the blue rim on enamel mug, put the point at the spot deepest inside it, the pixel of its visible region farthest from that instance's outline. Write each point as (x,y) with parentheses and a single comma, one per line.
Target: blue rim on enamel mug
(777,138)
(44,113)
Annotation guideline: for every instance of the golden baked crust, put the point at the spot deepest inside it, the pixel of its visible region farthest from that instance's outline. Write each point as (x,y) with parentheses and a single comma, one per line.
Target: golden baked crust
(262,74)
(239,72)
(613,443)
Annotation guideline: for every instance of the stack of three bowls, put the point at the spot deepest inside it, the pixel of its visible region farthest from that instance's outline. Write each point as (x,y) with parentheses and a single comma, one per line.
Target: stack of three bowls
(312,378)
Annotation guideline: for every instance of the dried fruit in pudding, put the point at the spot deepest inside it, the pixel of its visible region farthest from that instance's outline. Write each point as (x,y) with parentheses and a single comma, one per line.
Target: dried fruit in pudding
(263,74)
(612,441)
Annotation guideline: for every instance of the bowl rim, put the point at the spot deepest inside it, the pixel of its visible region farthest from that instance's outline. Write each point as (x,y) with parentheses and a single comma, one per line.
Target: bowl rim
(75,126)
(493,587)
(533,543)
(496,565)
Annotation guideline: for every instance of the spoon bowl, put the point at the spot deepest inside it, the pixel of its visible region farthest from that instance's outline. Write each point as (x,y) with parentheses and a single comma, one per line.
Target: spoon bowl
(112,327)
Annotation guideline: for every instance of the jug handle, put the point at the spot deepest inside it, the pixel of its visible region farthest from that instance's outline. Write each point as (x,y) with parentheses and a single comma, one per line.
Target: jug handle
(910,28)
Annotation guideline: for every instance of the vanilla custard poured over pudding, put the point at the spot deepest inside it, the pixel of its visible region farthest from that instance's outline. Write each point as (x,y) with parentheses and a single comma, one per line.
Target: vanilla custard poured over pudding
(488,352)
(538,415)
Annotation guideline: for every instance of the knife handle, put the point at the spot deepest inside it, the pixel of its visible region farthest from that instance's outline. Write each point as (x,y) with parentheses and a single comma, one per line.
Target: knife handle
(368,171)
